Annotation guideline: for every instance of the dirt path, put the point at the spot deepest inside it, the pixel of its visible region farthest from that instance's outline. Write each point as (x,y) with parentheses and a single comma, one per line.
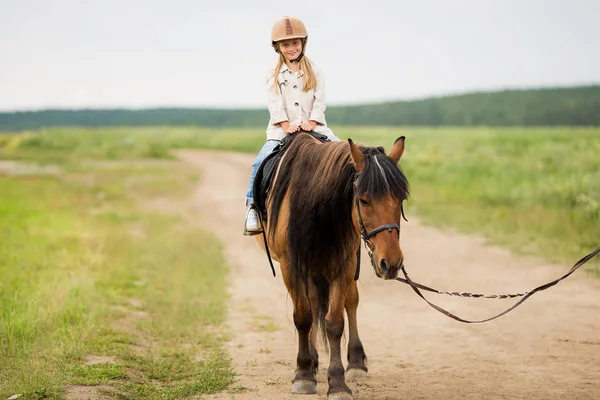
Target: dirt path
(549,348)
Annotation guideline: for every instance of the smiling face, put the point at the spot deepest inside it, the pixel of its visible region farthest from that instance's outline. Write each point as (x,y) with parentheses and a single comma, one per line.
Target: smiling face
(290,48)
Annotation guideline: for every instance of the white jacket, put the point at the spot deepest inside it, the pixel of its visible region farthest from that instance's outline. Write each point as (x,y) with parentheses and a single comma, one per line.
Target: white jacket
(292,104)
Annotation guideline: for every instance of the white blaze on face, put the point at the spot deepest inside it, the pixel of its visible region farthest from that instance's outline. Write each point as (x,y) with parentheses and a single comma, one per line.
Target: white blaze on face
(387,185)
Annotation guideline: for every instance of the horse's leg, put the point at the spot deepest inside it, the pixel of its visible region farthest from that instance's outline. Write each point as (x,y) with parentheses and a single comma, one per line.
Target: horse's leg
(314,354)
(304,381)
(357,359)
(334,325)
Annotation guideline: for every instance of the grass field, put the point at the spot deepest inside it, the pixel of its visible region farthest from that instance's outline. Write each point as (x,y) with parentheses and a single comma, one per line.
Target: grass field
(101,286)
(83,252)
(535,190)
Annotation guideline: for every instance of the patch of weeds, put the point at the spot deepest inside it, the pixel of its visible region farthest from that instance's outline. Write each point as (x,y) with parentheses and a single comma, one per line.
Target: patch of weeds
(174,376)
(252,363)
(110,341)
(274,381)
(265,323)
(167,367)
(95,374)
(38,394)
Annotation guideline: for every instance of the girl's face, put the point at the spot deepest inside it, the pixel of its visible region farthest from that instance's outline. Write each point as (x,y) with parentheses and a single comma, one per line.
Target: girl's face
(290,48)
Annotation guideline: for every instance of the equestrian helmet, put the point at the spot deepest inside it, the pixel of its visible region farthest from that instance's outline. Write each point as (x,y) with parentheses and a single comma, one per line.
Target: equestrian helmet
(287,28)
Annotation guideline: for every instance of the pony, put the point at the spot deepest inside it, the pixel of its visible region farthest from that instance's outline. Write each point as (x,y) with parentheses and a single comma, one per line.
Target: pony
(323,199)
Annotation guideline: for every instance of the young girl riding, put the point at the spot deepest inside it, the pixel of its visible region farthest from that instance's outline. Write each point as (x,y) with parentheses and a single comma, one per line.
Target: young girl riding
(296,98)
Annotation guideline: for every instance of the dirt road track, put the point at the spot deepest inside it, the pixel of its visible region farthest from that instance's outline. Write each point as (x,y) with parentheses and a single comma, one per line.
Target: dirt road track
(549,348)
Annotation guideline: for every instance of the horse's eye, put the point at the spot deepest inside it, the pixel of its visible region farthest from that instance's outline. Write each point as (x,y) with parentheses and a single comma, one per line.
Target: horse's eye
(363,203)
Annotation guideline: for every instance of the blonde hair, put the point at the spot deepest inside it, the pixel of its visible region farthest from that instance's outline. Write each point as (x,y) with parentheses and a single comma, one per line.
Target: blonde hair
(310,80)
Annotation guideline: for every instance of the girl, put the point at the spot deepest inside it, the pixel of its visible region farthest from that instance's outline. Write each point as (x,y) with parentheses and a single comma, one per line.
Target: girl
(296,98)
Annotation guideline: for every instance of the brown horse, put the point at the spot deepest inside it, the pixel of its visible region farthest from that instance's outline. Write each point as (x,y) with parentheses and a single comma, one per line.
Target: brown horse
(324,197)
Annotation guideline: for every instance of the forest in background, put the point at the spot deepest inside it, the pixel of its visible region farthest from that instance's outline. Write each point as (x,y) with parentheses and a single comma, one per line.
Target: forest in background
(574,106)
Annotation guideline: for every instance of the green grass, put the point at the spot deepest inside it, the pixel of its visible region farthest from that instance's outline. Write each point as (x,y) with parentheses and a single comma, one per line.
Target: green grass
(59,145)
(534,190)
(89,268)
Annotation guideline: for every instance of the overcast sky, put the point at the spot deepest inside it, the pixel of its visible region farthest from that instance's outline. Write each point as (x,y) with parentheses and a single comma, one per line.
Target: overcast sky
(207,53)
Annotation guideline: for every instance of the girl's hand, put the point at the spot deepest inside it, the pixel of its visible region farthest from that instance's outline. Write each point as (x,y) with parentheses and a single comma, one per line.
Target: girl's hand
(308,126)
(292,129)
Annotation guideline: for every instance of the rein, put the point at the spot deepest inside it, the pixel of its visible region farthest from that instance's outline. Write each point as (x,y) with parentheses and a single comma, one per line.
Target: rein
(367,235)
(264,235)
(416,286)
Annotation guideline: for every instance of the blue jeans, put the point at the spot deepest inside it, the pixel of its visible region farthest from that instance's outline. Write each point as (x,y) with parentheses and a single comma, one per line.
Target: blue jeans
(262,154)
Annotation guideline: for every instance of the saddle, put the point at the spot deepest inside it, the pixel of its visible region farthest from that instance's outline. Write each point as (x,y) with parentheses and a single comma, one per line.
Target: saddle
(266,170)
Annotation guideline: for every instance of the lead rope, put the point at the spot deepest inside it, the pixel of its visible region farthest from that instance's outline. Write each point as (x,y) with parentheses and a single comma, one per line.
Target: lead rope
(416,286)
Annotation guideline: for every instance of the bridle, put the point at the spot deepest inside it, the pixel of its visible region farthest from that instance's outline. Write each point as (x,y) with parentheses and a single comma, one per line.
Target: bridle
(367,235)
(416,286)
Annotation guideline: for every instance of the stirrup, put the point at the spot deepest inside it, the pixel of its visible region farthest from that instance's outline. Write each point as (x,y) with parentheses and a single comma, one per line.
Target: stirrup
(261,227)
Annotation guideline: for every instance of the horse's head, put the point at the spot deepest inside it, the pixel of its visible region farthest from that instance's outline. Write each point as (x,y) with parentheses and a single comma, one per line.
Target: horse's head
(379,190)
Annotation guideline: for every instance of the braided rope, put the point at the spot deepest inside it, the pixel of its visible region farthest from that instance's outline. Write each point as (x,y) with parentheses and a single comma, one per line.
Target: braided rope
(467,294)
(457,294)
(484,296)
(416,286)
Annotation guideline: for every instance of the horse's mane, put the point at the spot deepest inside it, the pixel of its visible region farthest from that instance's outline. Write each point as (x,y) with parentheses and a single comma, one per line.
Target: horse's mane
(381,176)
(319,178)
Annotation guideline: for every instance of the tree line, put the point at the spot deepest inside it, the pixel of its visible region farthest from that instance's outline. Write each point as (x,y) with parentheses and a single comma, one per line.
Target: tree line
(574,106)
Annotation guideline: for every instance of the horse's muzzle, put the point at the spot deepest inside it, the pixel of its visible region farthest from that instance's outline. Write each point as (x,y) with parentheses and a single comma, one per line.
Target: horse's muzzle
(387,271)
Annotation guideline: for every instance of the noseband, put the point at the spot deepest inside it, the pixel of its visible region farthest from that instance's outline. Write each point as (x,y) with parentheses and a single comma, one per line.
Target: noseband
(368,235)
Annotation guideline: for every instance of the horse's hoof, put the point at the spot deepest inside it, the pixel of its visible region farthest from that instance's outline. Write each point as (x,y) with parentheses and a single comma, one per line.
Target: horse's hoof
(356,374)
(304,387)
(340,396)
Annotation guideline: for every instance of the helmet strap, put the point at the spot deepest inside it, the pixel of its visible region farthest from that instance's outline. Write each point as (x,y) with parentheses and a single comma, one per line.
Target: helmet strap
(299,58)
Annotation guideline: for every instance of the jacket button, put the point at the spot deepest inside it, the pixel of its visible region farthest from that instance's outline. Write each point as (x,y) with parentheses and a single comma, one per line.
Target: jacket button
(296,104)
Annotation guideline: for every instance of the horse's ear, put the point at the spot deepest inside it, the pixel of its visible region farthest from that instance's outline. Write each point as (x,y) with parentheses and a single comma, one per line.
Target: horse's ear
(358,158)
(397,150)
